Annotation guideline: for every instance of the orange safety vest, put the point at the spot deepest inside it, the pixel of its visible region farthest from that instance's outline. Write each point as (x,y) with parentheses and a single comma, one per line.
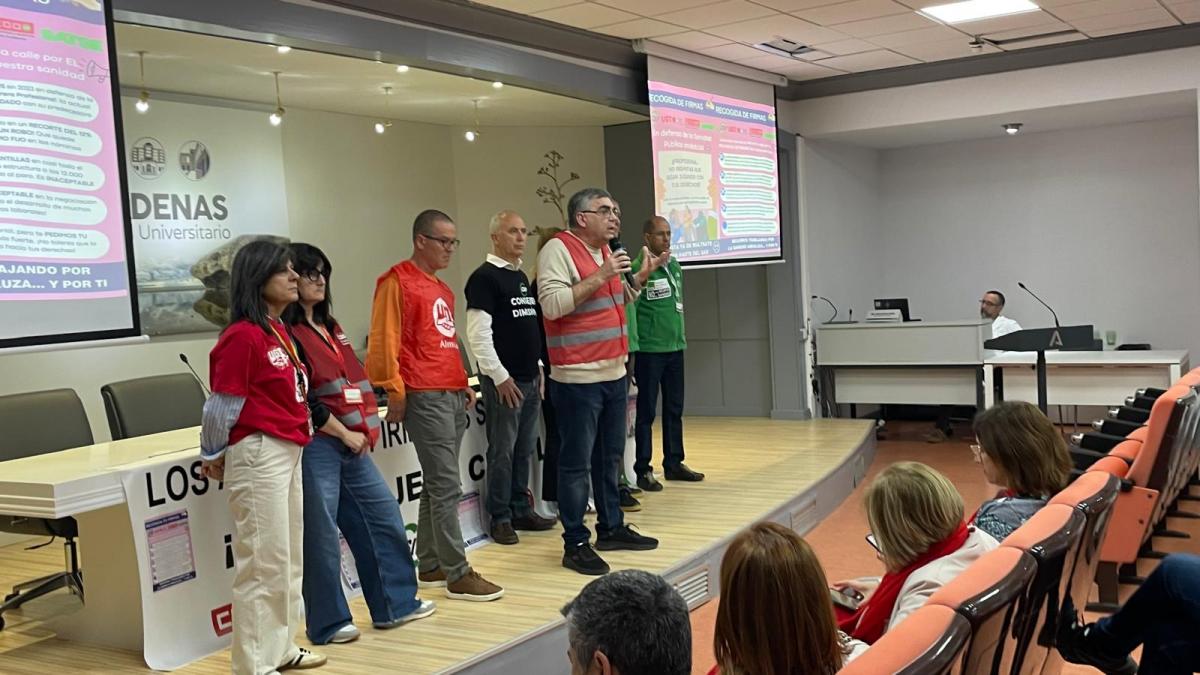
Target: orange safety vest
(595,330)
(429,356)
(334,372)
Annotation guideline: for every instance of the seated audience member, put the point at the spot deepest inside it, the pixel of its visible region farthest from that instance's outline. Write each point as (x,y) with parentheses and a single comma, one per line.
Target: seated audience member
(1163,616)
(629,623)
(916,515)
(776,617)
(343,490)
(1022,452)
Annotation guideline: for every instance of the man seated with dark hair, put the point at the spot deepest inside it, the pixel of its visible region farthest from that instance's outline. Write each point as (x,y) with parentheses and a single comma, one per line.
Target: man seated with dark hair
(629,623)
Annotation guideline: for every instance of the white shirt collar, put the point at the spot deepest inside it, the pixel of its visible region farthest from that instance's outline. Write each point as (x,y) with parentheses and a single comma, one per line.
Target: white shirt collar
(502,263)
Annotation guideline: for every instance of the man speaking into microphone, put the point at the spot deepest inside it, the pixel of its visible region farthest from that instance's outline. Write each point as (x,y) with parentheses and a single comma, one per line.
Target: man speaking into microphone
(582,288)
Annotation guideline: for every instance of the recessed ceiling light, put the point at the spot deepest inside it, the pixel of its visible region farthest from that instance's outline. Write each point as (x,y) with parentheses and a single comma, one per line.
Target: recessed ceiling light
(401,68)
(974,10)
(497,85)
(283,49)
(1013,129)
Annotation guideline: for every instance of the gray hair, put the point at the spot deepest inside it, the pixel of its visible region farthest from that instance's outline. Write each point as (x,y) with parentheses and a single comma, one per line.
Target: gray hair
(636,619)
(425,220)
(499,218)
(580,201)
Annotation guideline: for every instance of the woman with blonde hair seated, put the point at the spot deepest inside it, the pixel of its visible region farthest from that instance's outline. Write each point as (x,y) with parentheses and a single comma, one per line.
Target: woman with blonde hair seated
(1021,452)
(916,516)
(776,616)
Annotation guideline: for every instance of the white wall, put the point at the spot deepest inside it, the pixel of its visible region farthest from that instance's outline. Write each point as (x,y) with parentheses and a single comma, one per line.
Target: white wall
(1103,223)
(842,188)
(354,193)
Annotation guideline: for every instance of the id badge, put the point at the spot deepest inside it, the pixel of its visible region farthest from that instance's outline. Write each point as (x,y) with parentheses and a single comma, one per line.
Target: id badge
(352,394)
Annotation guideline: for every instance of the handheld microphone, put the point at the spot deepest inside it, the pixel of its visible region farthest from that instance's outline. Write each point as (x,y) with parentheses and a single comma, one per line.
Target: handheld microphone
(1035,297)
(183,357)
(615,245)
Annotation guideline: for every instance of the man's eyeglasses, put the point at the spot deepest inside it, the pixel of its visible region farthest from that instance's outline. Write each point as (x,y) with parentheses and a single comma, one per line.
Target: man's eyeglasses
(989,303)
(977,451)
(446,242)
(312,275)
(606,212)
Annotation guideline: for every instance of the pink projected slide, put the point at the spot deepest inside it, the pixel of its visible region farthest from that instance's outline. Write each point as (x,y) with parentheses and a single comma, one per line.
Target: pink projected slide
(716,176)
(62,225)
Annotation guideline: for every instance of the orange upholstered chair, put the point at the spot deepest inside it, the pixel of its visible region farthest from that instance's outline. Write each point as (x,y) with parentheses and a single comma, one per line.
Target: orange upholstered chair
(1117,466)
(987,595)
(929,642)
(1127,450)
(1093,494)
(1051,537)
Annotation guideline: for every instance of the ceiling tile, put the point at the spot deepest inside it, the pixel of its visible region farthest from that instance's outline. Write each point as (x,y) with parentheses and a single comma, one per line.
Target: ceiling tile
(1084,10)
(1051,4)
(695,40)
(640,28)
(945,49)
(585,15)
(1031,30)
(851,46)
(875,60)
(793,5)
(732,52)
(856,10)
(654,7)
(1117,30)
(769,63)
(885,25)
(1003,23)
(809,71)
(1189,10)
(526,6)
(913,37)
(717,14)
(780,25)
(1141,17)
(1042,42)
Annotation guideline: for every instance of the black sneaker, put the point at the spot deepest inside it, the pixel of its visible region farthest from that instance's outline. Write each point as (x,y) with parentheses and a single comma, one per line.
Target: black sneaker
(682,472)
(629,503)
(624,538)
(584,560)
(648,482)
(1085,645)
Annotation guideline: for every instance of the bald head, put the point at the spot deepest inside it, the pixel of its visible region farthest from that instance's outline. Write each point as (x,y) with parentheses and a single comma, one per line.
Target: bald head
(656,232)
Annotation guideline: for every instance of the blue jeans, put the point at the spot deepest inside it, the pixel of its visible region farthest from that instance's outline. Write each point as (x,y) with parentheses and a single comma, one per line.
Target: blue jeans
(1164,615)
(512,440)
(654,371)
(591,421)
(346,491)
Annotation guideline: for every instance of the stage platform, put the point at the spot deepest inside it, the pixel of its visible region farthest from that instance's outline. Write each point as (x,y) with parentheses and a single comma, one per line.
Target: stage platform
(792,472)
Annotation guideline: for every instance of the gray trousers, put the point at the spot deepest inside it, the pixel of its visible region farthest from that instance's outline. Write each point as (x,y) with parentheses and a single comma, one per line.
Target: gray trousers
(436,422)
(512,440)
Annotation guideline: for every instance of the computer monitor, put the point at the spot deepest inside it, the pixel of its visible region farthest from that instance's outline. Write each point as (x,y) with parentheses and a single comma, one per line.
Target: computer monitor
(894,303)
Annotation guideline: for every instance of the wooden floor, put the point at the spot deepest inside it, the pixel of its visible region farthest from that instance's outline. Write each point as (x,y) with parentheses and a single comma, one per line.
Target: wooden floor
(753,466)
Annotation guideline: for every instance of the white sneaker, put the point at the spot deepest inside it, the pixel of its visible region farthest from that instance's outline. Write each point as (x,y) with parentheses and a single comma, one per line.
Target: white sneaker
(306,659)
(347,633)
(426,608)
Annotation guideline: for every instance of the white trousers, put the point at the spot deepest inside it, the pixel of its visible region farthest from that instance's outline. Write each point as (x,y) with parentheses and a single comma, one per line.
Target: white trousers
(266,497)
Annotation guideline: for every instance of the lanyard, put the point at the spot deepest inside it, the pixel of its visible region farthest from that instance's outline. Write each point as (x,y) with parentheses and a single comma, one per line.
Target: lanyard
(333,346)
(293,355)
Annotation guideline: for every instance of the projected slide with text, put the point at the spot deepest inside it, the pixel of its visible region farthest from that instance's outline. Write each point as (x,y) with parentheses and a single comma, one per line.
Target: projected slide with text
(716,176)
(62,227)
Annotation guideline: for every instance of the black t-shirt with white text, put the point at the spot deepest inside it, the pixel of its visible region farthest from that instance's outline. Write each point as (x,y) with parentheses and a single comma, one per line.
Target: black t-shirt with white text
(505,294)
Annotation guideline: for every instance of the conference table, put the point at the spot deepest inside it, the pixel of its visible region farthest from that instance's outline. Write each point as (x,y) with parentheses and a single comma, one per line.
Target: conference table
(1074,378)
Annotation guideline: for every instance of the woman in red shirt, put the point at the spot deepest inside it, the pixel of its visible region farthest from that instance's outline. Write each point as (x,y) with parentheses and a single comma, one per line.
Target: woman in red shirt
(255,424)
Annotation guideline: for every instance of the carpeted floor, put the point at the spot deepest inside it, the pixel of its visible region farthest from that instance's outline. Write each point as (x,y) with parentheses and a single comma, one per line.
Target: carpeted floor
(839,542)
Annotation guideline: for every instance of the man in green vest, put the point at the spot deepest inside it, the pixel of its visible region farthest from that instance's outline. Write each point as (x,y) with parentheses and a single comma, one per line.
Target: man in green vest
(659,363)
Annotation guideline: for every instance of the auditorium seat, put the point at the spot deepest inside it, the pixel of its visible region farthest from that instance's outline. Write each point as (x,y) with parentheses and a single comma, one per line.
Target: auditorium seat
(34,424)
(151,405)
(1093,494)
(987,595)
(929,642)
(1051,537)
(1117,466)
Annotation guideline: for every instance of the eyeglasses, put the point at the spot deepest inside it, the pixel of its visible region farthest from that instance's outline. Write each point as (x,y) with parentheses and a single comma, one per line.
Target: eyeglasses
(606,212)
(312,275)
(989,303)
(446,242)
(977,451)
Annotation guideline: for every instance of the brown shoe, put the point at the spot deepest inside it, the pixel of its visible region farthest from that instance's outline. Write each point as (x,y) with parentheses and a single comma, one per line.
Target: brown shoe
(534,522)
(474,588)
(503,533)
(434,579)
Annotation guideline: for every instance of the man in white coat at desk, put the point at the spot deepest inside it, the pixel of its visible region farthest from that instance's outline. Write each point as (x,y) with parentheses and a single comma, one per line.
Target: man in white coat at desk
(991,306)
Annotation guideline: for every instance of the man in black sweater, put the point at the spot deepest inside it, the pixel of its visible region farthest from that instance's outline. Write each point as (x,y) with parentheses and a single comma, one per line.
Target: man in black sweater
(502,328)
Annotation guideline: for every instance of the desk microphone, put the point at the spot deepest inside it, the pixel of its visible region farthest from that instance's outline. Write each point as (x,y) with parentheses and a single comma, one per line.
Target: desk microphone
(1035,297)
(615,245)
(183,357)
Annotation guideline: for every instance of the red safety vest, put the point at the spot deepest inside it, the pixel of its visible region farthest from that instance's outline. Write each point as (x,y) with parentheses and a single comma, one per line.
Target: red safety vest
(595,330)
(336,370)
(429,356)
